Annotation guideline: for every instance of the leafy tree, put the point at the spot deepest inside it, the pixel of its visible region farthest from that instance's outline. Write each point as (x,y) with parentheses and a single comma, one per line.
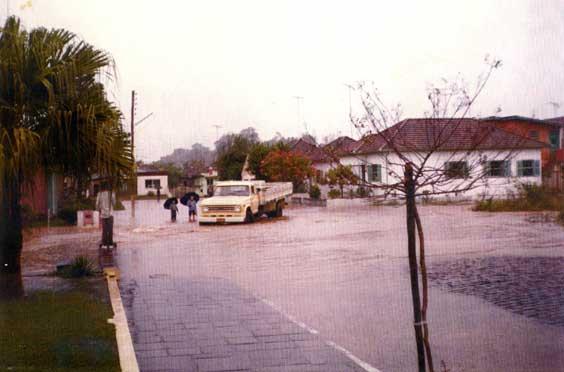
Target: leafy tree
(53,115)
(231,154)
(250,134)
(286,166)
(341,176)
(256,156)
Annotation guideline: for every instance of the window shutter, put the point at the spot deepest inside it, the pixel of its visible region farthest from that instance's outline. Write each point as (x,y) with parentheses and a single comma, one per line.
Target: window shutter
(378,175)
(536,168)
(520,168)
(369,173)
(507,168)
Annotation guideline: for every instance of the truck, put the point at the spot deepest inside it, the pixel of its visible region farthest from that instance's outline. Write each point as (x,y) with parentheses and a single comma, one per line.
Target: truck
(244,201)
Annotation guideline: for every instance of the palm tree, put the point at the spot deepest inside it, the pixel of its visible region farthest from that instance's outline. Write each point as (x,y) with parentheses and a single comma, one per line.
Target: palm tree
(54,115)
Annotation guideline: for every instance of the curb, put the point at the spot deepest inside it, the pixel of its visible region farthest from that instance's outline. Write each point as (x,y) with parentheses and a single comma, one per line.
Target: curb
(127,358)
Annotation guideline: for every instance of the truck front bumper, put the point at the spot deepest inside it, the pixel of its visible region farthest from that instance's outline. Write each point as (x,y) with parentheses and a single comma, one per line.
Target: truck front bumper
(221,219)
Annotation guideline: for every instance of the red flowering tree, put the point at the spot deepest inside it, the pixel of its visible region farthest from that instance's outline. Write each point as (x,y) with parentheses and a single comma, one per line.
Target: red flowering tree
(286,166)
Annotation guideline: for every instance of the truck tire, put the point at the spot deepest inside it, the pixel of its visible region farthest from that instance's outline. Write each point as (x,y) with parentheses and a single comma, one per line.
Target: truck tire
(249,217)
(279,209)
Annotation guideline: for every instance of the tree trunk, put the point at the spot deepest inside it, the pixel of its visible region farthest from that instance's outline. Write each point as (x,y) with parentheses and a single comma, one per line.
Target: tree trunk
(411,247)
(11,285)
(425,289)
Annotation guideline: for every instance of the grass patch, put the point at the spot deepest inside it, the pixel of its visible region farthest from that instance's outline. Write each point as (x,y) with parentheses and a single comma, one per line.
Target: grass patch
(53,222)
(528,198)
(79,267)
(57,332)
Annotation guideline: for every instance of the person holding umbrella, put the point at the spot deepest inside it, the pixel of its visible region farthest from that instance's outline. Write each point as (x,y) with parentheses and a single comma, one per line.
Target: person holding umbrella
(172,204)
(191,201)
(192,207)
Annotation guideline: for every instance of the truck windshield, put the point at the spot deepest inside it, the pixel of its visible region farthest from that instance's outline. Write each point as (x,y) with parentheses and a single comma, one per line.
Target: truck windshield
(236,190)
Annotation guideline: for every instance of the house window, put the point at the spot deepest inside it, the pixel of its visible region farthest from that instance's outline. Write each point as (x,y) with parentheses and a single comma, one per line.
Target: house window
(153,184)
(374,172)
(360,172)
(534,134)
(498,168)
(554,139)
(528,168)
(456,169)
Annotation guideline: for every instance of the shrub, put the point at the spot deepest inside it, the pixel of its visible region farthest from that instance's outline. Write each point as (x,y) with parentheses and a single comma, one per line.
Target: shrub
(314,192)
(80,267)
(529,197)
(362,192)
(151,193)
(334,194)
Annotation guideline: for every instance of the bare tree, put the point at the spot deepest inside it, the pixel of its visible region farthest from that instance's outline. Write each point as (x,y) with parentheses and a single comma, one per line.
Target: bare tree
(443,153)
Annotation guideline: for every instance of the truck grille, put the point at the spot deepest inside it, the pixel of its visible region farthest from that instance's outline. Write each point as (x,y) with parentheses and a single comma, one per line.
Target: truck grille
(221,208)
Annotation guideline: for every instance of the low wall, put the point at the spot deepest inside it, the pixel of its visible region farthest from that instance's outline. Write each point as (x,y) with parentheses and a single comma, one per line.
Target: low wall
(87,218)
(303,200)
(347,203)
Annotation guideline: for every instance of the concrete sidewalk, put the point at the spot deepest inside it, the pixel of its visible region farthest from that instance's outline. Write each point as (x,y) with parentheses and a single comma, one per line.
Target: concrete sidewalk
(209,324)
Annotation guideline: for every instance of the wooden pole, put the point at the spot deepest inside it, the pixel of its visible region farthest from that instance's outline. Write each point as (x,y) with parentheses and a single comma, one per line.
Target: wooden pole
(411,241)
(134,180)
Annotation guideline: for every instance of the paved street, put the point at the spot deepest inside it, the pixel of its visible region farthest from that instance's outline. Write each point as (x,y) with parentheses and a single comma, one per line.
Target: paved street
(248,297)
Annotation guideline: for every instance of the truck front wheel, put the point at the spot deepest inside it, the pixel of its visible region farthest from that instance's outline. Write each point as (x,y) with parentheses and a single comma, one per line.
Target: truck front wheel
(249,217)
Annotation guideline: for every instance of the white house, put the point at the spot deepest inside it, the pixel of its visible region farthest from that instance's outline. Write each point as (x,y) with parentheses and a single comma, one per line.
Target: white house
(149,181)
(469,156)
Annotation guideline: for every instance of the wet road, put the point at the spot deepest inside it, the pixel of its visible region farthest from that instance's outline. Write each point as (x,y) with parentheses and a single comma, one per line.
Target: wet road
(344,273)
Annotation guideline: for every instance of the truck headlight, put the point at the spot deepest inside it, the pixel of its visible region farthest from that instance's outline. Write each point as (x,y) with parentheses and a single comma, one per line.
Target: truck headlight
(237,208)
(205,209)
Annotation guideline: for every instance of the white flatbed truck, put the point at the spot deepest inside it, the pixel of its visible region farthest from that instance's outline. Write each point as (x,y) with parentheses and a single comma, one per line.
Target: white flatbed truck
(244,201)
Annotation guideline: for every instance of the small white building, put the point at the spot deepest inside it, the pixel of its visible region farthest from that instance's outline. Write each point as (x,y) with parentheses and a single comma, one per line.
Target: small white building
(149,181)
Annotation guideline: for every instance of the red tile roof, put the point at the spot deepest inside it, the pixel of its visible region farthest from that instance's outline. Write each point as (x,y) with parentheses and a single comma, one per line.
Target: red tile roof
(445,135)
(558,121)
(423,134)
(303,147)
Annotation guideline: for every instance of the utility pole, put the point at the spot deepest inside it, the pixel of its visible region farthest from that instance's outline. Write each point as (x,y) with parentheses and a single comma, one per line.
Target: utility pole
(350,105)
(134,180)
(217,131)
(299,104)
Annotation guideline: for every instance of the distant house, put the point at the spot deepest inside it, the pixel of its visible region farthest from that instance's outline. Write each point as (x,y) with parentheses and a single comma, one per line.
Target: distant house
(505,158)
(150,180)
(199,182)
(536,129)
(550,131)
(323,157)
(44,195)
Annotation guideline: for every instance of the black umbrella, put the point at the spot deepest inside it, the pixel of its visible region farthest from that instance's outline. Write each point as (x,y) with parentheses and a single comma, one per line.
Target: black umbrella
(186,197)
(169,201)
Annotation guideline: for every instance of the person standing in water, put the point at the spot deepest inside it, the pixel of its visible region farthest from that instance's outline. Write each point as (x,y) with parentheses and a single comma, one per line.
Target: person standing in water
(192,208)
(173,211)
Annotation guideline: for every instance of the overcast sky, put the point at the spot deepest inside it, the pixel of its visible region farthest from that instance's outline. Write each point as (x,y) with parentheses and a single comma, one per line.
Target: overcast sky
(238,63)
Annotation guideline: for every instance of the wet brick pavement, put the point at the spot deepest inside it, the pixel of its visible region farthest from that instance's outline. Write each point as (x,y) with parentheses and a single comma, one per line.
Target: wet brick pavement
(529,286)
(209,324)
